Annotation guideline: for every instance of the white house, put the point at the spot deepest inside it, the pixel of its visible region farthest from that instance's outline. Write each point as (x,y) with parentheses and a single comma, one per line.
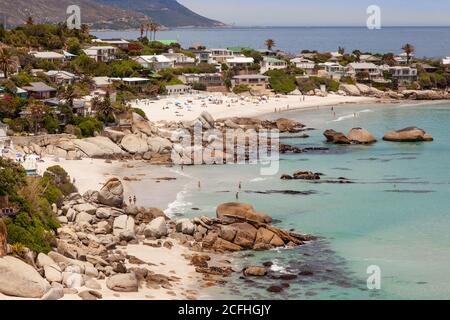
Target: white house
(120,43)
(208,79)
(178,58)
(219,55)
(101,53)
(272,63)
(332,70)
(156,62)
(5,141)
(363,69)
(49,56)
(304,64)
(369,58)
(446,61)
(402,58)
(403,74)
(61,77)
(240,62)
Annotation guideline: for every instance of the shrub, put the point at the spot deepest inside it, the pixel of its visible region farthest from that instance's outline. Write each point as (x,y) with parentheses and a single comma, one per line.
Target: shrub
(30,232)
(281,82)
(347,80)
(90,126)
(140,112)
(241,89)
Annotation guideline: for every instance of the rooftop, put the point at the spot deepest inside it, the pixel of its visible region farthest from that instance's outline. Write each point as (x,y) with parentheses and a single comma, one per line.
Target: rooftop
(250,76)
(39,87)
(47,55)
(362,65)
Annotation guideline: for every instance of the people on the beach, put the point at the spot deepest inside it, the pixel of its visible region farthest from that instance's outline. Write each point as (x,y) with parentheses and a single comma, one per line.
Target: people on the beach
(130,200)
(240,185)
(134,199)
(237,195)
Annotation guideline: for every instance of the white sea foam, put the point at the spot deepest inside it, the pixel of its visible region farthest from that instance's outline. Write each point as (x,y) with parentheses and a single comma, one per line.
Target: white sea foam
(180,205)
(276,267)
(350,115)
(259,179)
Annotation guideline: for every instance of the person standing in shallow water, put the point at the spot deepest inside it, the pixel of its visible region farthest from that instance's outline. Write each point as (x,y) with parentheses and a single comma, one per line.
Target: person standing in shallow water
(130,200)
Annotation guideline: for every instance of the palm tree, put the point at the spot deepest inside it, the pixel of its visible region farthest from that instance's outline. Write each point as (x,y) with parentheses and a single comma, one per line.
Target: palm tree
(36,109)
(270,43)
(155,28)
(409,49)
(70,93)
(142,30)
(341,50)
(6,60)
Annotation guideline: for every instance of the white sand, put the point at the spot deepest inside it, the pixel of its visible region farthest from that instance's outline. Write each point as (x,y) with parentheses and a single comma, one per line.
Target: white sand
(189,107)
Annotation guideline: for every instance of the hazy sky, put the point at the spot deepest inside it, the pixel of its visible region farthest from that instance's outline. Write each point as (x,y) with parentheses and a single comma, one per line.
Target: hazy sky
(322,12)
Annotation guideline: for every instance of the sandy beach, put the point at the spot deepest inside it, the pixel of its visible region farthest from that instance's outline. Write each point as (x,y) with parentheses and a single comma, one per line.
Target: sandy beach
(189,107)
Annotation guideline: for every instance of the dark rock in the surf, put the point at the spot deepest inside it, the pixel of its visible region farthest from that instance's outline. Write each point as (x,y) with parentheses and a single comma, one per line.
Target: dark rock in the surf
(286,177)
(288,125)
(275,289)
(410,134)
(306,175)
(336,137)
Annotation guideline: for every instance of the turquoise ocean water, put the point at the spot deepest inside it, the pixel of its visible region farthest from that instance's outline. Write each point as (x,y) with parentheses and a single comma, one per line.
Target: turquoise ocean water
(395,216)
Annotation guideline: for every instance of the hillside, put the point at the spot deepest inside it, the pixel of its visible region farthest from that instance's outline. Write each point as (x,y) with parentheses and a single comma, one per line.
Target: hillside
(169,13)
(54,11)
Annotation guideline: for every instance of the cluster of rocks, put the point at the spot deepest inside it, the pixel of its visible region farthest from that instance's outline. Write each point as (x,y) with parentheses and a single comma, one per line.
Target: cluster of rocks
(96,224)
(238,226)
(355,136)
(362,136)
(302,175)
(145,140)
(360,89)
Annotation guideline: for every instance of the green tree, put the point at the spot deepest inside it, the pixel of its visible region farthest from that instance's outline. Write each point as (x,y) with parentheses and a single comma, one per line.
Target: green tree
(12,177)
(409,49)
(270,43)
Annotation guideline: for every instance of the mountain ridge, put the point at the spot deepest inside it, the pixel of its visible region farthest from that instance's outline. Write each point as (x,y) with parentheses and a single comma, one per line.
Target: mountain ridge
(104,14)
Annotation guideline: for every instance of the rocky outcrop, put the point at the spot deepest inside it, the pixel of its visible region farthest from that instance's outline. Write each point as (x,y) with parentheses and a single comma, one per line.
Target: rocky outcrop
(157,228)
(234,211)
(336,137)
(19,279)
(350,89)
(410,134)
(111,194)
(288,125)
(134,144)
(236,228)
(360,136)
(3,238)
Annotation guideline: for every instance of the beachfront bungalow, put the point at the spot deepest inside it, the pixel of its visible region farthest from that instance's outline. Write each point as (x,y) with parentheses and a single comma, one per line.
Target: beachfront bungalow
(179,58)
(135,82)
(240,62)
(304,64)
(48,56)
(40,90)
(102,82)
(364,71)
(207,79)
(101,53)
(332,70)
(178,89)
(61,77)
(254,81)
(403,74)
(219,55)
(272,63)
(21,93)
(119,43)
(268,53)
(155,62)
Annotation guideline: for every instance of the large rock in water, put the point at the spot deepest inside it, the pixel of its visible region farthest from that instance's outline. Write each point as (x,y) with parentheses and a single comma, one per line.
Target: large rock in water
(410,134)
(111,194)
(3,238)
(235,211)
(288,125)
(19,279)
(134,144)
(336,137)
(360,135)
